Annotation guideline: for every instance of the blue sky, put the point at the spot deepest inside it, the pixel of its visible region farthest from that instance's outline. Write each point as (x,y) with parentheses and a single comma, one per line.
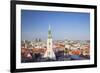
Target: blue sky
(64,25)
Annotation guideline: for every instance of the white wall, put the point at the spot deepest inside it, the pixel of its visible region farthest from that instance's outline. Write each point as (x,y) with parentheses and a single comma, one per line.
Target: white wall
(5,36)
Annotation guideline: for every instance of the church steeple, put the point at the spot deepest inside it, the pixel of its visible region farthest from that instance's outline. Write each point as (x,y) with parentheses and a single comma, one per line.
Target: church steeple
(49,32)
(49,52)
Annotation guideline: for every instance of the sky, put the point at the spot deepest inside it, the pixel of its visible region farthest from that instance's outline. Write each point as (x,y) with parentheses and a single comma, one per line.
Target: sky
(64,25)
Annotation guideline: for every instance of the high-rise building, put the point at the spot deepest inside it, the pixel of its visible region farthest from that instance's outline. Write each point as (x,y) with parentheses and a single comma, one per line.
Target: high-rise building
(49,52)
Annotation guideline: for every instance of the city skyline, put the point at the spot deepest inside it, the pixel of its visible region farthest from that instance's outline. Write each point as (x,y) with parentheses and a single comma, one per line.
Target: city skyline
(64,25)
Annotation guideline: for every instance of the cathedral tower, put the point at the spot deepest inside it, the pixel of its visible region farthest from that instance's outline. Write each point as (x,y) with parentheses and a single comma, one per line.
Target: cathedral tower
(49,52)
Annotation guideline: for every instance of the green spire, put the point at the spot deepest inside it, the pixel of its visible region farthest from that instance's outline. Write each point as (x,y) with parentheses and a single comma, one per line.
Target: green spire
(49,32)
